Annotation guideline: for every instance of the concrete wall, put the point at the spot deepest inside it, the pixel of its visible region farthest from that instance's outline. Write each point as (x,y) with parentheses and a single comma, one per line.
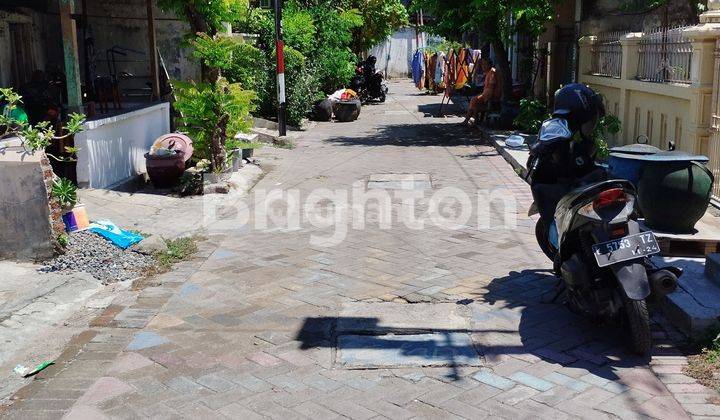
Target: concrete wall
(112,149)
(396,53)
(26,232)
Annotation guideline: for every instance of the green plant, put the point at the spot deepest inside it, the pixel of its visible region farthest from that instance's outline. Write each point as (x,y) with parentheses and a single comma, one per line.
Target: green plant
(532,113)
(608,125)
(63,240)
(211,113)
(39,136)
(235,144)
(380,18)
(191,183)
(252,68)
(299,30)
(65,192)
(178,250)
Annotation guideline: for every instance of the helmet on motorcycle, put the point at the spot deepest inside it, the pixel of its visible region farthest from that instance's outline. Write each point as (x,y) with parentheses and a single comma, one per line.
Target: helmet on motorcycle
(578,104)
(372,60)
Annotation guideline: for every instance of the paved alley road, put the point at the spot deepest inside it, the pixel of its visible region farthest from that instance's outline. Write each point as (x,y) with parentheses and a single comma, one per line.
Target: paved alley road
(328,320)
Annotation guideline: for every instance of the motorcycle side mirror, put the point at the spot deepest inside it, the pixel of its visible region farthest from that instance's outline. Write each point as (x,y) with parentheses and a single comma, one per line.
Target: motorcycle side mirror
(671,146)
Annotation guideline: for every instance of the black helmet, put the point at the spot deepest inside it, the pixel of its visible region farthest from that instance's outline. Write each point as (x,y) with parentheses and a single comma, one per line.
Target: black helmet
(578,104)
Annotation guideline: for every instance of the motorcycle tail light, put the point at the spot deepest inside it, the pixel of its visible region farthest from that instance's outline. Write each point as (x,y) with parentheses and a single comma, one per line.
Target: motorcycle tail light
(609,205)
(610,197)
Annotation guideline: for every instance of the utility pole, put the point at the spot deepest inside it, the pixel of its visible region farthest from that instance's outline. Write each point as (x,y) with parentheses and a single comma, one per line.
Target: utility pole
(279,47)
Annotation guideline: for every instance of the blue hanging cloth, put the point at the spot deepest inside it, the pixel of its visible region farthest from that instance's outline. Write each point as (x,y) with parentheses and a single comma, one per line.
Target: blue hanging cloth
(418,66)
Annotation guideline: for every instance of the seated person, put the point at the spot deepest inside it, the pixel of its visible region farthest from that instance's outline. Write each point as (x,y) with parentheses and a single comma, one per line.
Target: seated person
(491,91)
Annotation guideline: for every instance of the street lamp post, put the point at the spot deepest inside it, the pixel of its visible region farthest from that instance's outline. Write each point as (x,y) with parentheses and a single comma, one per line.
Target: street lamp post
(279,50)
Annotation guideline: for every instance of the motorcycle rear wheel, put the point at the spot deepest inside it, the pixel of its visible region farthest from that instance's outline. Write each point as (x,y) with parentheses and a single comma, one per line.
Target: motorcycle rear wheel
(638,326)
(542,234)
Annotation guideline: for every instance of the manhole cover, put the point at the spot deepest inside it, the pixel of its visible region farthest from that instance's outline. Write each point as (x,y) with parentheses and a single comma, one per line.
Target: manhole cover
(387,335)
(400,181)
(393,351)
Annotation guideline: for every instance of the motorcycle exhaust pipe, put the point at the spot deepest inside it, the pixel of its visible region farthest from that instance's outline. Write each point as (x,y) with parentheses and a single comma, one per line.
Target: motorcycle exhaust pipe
(662,282)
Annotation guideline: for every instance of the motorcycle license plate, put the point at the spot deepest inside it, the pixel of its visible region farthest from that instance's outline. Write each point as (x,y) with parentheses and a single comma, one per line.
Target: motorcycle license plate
(627,248)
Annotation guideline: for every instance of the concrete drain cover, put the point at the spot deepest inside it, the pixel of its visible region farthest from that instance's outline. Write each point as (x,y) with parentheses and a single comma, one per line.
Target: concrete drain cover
(400,181)
(387,351)
(386,335)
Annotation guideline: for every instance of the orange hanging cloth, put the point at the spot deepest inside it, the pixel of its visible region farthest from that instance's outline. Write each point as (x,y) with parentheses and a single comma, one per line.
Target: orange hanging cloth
(462,70)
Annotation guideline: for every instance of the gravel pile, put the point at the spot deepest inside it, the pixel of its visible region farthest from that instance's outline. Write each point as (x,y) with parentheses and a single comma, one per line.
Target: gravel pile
(90,253)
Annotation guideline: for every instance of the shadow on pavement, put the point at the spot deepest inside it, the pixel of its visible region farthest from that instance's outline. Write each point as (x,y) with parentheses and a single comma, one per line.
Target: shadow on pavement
(509,317)
(414,135)
(547,330)
(440,110)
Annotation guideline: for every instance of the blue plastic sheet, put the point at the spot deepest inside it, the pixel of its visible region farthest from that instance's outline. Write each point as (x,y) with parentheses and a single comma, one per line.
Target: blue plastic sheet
(120,238)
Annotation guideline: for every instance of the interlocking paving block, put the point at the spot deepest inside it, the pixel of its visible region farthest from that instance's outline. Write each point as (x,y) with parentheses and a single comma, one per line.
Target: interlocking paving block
(387,351)
(146,339)
(401,318)
(400,181)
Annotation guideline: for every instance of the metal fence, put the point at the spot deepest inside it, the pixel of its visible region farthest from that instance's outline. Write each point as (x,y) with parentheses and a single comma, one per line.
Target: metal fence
(606,55)
(665,56)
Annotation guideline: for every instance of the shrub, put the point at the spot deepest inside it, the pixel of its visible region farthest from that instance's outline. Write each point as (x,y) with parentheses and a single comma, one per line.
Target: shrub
(252,68)
(532,113)
(299,30)
(608,125)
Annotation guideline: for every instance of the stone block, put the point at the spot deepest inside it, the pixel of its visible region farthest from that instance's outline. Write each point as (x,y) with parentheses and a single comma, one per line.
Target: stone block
(25,213)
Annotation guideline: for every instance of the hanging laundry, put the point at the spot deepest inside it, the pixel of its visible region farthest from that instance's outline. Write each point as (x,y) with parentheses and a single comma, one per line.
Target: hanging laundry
(450,73)
(477,75)
(431,70)
(418,67)
(461,69)
(439,69)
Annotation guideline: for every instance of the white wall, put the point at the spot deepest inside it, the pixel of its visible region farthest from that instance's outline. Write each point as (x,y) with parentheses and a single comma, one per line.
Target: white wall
(396,53)
(113,149)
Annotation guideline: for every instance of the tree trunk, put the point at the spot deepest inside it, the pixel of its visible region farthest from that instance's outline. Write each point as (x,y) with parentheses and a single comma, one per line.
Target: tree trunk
(217,144)
(503,67)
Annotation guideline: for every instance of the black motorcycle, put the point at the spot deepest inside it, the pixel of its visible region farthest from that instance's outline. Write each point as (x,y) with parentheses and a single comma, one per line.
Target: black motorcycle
(589,229)
(368,82)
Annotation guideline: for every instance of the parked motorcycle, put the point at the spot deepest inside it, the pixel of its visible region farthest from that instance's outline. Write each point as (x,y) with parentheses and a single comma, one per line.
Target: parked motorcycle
(368,82)
(589,229)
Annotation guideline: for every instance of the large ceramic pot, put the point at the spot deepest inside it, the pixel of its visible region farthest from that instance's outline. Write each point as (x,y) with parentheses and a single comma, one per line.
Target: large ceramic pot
(165,171)
(674,195)
(346,111)
(626,162)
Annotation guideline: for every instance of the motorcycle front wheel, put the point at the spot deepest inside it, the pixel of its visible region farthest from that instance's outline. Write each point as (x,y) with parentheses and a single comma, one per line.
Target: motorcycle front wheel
(637,324)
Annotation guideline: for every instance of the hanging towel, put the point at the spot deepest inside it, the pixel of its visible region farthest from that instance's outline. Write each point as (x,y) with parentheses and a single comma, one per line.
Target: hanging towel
(439,68)
(417,67)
